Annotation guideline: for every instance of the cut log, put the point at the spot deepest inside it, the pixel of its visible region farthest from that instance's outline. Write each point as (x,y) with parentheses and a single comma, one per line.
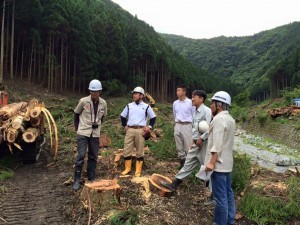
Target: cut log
(35,121)
(101,193)
(156,187)
(30,134)
(12,134)
(105,140)
(9,110)
(35,112)
(17,122)
(27,114)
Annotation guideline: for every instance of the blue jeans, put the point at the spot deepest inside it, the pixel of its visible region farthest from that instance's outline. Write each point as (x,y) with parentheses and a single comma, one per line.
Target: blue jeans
(223,195)
(92,144)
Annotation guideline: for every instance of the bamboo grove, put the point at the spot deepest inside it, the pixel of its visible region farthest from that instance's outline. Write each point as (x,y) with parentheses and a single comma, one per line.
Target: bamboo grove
(62,44)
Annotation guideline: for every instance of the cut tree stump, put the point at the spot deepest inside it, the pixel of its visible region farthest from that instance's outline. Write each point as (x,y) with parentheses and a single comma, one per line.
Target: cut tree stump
(103,193)
(156,187)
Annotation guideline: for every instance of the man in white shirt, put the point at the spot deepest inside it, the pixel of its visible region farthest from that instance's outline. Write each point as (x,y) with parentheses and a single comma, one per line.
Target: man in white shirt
(197,151)
(134,120)
(219,158)
(183,115)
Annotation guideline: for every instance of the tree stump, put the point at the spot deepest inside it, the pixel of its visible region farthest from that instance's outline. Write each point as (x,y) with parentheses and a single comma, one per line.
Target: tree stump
(156,187)
(103,193)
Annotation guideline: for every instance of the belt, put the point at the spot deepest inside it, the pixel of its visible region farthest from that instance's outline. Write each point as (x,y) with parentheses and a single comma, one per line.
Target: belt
(136,127)
(184,123)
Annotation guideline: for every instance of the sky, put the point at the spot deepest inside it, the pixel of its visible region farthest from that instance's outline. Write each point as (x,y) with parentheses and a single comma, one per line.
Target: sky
(212,18)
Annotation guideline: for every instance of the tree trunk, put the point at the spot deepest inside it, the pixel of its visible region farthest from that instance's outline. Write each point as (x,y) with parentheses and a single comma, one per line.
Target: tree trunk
(12,41)
(2,43)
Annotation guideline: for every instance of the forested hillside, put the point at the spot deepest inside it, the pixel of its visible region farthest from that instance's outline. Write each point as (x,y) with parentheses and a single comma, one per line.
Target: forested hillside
(265,63)
(63,44)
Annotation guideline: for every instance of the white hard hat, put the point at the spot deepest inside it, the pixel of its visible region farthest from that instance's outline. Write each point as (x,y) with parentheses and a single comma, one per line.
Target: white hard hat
(139,90)
(222,96)
(95,85)
(203,126)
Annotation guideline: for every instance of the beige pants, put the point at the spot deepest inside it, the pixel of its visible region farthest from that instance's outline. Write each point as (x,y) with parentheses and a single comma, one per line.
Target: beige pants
(134,138)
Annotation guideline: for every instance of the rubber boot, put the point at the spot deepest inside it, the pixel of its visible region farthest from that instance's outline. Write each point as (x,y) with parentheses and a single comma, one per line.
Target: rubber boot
(128,162)
(172,186)
(91,174)
(138,167)
(77,176)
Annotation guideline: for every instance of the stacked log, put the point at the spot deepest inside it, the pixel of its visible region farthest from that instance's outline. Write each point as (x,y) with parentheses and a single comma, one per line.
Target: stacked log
(21,122)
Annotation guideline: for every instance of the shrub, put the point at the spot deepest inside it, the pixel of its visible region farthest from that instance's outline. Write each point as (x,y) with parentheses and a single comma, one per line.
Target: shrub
(241,172)
(262,117)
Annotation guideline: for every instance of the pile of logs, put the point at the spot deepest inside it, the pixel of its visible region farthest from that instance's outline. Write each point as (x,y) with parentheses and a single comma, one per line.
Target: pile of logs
(24,121)
(289,110)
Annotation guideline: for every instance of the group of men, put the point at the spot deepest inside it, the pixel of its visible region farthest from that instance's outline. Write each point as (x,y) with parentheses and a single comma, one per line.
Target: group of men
(212,148)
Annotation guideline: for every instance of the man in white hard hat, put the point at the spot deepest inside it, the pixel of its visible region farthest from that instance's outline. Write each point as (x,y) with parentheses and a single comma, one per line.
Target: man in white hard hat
(183,115)
(197,149)
(219,158)
(88,117)
(134,120)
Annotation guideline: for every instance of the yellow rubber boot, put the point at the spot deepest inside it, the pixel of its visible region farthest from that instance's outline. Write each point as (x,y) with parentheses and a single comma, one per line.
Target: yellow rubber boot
(138,168)
(128,163)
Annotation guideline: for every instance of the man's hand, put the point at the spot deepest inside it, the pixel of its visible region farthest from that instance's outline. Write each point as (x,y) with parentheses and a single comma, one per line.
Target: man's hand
(126,129)
(199,142)
(209,167)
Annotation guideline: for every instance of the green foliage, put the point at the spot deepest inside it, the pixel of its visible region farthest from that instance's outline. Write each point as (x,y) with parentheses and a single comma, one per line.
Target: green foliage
(263,63)
(262,117)
(282,120)
(242,99)
(272,210)
(128,217)
(239,113)
(4,174)
(297,125)
(290,95)
(241,172)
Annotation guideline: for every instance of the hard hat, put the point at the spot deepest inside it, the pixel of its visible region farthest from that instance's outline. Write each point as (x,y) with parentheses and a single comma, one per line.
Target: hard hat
(222,96)
(203,126)
(95,85)
(139,90)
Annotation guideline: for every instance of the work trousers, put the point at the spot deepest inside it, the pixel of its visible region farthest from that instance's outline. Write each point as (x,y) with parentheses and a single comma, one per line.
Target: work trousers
(194,157)
(134,138)
(224,212)
(92,144)
(183,139)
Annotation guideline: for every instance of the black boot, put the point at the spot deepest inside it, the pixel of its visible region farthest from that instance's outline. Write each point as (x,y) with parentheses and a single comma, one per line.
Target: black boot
(181,161)
(77,176)
(91,174)
(172,186)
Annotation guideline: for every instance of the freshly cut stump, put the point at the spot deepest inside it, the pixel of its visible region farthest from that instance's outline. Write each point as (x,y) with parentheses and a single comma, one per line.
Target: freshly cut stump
(156,187)
(103,193)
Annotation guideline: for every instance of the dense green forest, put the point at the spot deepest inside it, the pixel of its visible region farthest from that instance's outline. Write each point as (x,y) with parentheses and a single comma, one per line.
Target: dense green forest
(264,64)
(63,44)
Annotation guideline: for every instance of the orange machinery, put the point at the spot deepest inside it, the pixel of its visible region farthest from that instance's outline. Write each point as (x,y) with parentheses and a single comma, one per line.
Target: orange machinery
(3,98)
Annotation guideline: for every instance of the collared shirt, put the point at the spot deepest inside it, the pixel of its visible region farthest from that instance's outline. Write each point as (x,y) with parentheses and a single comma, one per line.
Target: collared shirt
(200,114)
(183,110)
(137,114)
(85,109)
(220,141)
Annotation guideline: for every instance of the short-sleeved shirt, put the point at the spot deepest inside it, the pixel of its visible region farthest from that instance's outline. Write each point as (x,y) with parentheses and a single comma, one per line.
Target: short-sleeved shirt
(220,141)
(183,110)
(85,109)
(136,114)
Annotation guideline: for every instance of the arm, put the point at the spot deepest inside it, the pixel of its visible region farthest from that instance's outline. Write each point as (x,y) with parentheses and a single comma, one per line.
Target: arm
(76,121)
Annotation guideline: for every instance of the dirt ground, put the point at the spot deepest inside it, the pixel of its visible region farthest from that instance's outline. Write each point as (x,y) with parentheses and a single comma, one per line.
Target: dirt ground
(37,195)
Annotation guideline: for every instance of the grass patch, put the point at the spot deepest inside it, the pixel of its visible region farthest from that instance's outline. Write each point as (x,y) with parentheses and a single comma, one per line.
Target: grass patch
(241,172)
(272,209)
(5,174)
(128,217)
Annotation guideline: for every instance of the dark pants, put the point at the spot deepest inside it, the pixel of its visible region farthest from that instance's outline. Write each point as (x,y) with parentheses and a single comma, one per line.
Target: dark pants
(92,144)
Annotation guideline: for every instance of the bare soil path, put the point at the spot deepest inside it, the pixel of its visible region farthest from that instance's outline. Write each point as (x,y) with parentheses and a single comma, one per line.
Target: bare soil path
(35,195)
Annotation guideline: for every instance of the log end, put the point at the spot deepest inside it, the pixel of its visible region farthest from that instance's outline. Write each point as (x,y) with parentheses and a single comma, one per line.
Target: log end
(155,181)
